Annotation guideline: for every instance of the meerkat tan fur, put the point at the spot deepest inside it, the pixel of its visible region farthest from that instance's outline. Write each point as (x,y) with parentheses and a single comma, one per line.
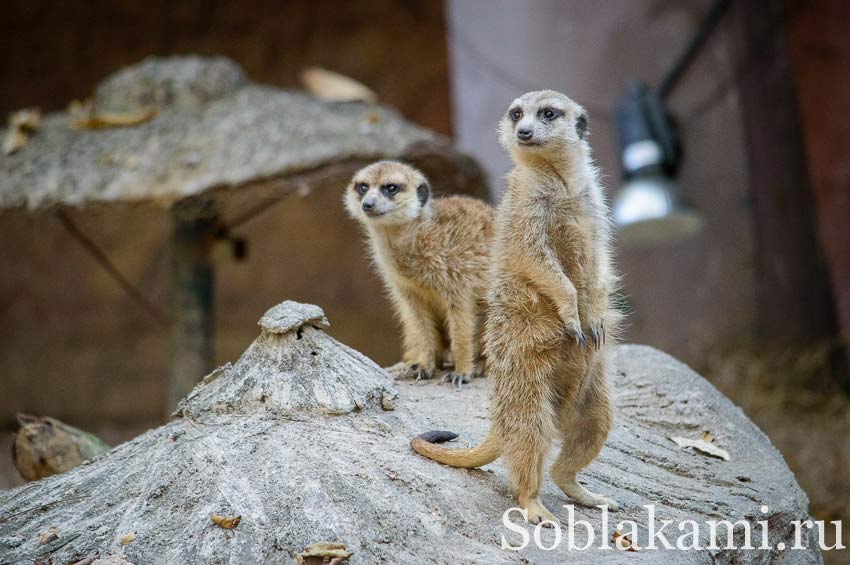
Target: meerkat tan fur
(549,315)
(432,254)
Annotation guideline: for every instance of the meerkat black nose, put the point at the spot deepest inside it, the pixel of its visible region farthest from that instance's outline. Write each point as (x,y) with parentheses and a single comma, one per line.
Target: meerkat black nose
(524,134)
(368,205)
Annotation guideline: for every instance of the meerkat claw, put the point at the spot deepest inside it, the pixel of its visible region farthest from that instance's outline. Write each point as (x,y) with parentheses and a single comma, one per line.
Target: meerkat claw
(581,341)
(577,335)
(420,373)
(594,338)
(456,379)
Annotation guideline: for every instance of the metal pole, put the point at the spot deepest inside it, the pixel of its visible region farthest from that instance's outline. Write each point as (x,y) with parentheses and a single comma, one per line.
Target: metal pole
(192,281)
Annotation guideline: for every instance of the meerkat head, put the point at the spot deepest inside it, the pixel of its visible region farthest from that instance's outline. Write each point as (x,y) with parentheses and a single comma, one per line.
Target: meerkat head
(542,123)
(388,193)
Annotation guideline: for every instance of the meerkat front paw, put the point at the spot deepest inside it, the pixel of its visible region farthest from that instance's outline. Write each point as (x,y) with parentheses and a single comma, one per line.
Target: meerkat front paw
(572,328)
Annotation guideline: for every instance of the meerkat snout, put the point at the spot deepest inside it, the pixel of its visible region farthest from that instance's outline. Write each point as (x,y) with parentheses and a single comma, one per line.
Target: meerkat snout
(368,205)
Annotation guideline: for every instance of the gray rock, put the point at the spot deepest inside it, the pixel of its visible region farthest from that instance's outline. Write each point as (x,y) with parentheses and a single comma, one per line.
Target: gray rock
(186,83)
(295,437)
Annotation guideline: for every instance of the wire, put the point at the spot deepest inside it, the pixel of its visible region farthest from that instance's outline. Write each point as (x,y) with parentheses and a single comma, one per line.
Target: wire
(706,26)
(100,257)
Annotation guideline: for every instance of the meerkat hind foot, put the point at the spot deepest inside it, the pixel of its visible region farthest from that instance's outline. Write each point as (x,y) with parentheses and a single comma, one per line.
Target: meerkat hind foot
(586,498)
(418,372)
(539,514)
(456,379)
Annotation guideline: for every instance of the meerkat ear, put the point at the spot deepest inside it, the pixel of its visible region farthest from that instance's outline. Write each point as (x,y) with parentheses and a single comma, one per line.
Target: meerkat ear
(423,192)
(581,126)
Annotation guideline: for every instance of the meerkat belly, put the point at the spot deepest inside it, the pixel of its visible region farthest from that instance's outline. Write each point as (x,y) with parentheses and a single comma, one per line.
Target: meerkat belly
(572,239)
(520,318)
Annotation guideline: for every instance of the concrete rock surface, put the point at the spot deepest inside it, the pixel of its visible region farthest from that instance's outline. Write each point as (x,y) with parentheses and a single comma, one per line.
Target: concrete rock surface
(299,437)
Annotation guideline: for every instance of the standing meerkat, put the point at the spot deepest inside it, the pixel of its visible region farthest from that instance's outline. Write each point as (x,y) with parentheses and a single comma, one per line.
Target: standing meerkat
(432,254)
(549,314)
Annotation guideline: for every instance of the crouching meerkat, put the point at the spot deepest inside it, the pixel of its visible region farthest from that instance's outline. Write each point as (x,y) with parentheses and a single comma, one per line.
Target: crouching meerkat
(432,254)
(549,314)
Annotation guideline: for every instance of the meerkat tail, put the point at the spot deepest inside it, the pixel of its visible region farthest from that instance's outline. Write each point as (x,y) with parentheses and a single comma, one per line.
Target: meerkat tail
(486,452)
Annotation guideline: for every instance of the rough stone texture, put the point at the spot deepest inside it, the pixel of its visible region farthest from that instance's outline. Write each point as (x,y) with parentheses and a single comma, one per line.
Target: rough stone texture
(213,131)
(185,83)
(292,438)
(290,315)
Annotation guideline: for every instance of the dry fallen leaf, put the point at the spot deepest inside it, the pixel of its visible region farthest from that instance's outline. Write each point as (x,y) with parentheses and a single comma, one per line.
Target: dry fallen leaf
(334,552)
(128,538)
(706,436)
(51,534)
(85,116)
(622,541)
(334,87)
(28,119)
(15,140)
(21,123)
(702,446)
(225,522)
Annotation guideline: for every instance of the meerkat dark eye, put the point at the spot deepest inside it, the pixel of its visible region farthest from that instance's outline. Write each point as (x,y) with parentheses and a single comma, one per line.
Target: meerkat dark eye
(361,188)
(390,189)
(516,114)
(549,114)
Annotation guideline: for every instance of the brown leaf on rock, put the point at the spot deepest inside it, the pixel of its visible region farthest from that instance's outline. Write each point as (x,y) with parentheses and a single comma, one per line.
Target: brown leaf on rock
(21,123)
(332,553)
(28,119)
(225,522)
(51,534)
(622,541)
(85,116)
(702,446)
(14,141)
(706,436)
(335,87)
